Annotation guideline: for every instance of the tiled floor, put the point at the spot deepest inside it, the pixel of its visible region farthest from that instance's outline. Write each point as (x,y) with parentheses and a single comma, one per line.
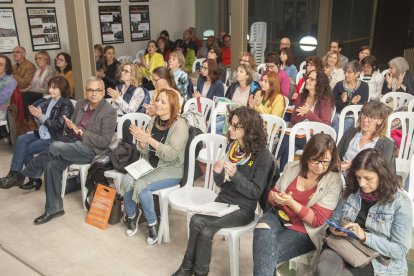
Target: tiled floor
(69,246)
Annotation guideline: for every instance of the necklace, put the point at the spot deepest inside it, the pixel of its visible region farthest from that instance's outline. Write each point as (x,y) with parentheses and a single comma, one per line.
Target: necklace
(163,123)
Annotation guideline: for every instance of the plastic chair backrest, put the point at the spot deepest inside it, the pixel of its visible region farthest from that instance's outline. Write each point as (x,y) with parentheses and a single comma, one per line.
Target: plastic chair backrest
(206,106)
(354,109)
(215,146)
(197,64)
(383,73)
(140,54)
(258,32)
(220,109)
(286,106)
(309,129)
(275,126)
(299,75)
(125,59)
(138,119)
(407,130)
(410,105)
(399,99)
(73,102)
(302,66)
(261,68)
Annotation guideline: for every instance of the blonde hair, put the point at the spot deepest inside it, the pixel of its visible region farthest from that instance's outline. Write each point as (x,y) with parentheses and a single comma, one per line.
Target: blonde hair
(181,59)
(136,75)
(329,54)
(252,60)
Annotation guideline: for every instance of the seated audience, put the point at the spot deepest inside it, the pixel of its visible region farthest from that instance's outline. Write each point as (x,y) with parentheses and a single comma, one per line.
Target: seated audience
(98,51)
(372,77)
(242,177)
(203,51)
(198,42)
(90,132)
(215,54)
(240,91)
(23,70)
(336,45)
(163,48)
(378,211)
(313,63)
(272,62)
(349,91)
(269,100)
(363,52)
(189,54)
(226,50)
(314,104)
(166,35)
(63,66)
(176,64)
(370,132)
(208,84)
(188,41)
(39,85)
(163,146)
(303,198)
(398,77)
(248,59)
(287,62)
(284,43)
(129,96)
(8,85)
(111,69)
(333,68)
(49,116)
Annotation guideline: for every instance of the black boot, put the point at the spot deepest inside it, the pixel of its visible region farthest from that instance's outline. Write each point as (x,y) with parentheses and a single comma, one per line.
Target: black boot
(33,183)
(13,179)
(186,268)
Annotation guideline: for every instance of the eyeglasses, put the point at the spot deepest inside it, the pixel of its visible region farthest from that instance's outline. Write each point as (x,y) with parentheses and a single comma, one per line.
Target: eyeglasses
(155,80)
(60,59)
(270,66)
(310,78)
(309,64)
(125,71)
(36,58)
(369,117)
(212,51)
(96,91)
(17,52)
(324,163)
(236,126)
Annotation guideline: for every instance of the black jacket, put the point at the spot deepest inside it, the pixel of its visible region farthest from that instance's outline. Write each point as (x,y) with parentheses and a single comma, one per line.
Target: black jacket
(55,122)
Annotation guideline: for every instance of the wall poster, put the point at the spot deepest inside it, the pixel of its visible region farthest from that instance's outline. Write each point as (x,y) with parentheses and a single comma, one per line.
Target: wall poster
(110,19)
(39,1)
(43,28)
(8,31)
(140,22)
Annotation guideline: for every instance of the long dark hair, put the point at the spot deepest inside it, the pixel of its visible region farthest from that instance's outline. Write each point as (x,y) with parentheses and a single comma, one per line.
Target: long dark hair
(213,72)
(322,90)
(179,43)
(68,60)
(165,74)
(8,66)
(255,135)
(62,84)
(372,160)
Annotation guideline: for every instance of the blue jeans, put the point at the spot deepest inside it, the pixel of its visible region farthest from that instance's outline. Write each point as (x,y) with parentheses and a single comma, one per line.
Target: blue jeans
(284,149)
(276,244)
(348,123)
(146,199)
(26,146)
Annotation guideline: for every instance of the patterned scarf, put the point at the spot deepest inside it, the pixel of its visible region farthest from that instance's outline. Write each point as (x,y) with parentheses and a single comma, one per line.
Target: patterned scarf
(235,155)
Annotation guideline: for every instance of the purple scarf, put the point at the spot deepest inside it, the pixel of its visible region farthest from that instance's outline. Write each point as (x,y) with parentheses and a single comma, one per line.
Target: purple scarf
(371,197)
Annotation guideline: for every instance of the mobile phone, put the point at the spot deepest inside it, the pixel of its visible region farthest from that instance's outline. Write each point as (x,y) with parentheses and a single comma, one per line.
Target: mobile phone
(339,228)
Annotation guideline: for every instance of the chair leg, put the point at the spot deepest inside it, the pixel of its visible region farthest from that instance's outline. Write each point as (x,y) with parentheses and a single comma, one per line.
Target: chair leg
(83,173)
(234,251)
(64,179)
(164,224)
(164,214)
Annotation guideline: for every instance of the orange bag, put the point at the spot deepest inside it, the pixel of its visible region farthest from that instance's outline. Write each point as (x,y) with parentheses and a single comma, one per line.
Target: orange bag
(101,206)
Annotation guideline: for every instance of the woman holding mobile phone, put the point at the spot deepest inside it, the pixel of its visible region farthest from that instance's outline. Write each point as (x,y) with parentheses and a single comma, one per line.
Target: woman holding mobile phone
(398,77)
(378,211)
(303,199)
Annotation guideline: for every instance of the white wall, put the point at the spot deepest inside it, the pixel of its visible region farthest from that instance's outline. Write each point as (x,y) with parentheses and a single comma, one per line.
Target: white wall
(172,15)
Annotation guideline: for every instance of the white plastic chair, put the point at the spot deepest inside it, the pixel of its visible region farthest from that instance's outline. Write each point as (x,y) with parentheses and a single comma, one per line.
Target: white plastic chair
(188,196)
(139,54)
(286,106)
(261,68)
(299,75)
(399,99)
(83,173)
(406,150)
(275,127)
(198,61)
(220,109)
(138,119)
(308,129)
(302,66)
(258,33)
(383,73)
(411,186)
(354,109)
(207,106)
(125,59)
(411,105)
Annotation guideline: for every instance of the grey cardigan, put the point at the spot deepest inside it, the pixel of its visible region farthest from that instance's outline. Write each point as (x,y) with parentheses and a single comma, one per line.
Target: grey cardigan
(171,159)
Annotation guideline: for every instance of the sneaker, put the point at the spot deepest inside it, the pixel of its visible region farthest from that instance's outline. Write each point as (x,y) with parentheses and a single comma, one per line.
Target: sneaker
(152,234)
(132,224)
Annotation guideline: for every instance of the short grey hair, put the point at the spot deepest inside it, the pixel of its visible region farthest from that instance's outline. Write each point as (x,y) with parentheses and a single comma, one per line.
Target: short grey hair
(354,65)
(93,79)
(400,64)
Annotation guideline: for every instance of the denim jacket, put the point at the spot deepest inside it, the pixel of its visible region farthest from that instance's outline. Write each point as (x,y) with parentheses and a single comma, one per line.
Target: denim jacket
(388,229)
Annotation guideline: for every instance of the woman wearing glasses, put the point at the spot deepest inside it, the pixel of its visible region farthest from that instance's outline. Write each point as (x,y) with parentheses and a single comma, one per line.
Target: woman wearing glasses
(242,177)
(163,146)
(214,53)
(248,59)
(209,84)
(302,199)
(378,211)
(370,132)
(314,104)
(63,66)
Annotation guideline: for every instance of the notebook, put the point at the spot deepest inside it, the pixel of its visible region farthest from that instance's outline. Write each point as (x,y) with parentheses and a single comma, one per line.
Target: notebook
(215,209)
(139,168)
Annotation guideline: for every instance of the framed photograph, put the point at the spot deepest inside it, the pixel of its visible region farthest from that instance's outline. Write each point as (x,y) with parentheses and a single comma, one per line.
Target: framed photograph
(110,19)
(139,22)
(39,1)
(138,0)
(44,30)
(109,1)
(8,31)
(6,1)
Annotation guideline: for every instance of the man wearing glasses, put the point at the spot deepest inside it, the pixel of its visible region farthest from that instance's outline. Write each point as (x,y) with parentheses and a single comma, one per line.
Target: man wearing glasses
(272,64)
(89,133)
(23,70)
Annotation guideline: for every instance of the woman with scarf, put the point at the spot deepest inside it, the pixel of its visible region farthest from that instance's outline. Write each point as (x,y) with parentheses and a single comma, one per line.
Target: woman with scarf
(242,177)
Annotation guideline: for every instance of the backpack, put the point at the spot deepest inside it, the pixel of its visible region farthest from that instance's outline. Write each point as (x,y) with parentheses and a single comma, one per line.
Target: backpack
(123,155)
